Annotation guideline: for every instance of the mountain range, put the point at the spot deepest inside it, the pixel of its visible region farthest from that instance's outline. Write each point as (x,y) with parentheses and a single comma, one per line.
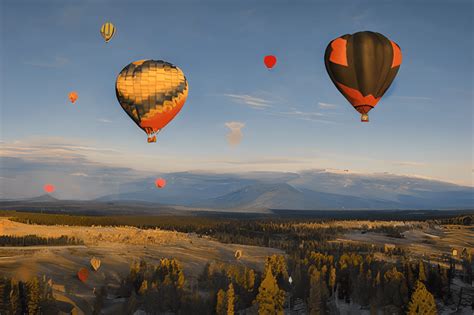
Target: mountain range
(307,190)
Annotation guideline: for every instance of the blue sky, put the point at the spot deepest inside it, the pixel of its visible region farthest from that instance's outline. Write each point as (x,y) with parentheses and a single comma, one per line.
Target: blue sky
(287,119)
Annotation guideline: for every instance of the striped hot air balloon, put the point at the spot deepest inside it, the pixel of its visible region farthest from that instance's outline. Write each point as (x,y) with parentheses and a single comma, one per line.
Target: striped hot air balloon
(362,66)
(107,31)
(151,92)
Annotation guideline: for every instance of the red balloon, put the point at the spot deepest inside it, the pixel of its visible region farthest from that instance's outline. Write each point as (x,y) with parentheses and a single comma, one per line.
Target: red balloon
(49,188)
(160,182)
(270,61)
(83,274)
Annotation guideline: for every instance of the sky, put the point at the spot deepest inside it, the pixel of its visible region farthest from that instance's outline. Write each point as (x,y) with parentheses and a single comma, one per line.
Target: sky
(239,116)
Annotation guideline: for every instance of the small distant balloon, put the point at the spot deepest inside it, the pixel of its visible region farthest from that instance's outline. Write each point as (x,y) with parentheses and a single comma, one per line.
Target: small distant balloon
(83,274)
(49,188)
(95,263)
(107,31)
(73,97)
(270,61)
(160,183)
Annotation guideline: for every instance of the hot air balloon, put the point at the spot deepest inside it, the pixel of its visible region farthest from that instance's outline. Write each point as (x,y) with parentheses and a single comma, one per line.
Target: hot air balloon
(151,92)
(362,66)
(49,188)
(95,263)
(160,182)
(107,31)
(83,274)
(73,97)
(270,61)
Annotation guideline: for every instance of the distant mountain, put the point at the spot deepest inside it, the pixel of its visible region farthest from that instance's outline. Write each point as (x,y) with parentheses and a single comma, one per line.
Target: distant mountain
(285,196)
(183,188)
(308,190)
(42,198)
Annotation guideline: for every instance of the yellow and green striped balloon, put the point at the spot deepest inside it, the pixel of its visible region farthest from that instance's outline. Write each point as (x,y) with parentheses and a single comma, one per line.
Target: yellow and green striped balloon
(107,31)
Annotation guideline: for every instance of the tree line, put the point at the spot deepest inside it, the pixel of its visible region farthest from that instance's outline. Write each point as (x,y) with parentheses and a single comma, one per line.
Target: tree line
(34,240)
(32,297)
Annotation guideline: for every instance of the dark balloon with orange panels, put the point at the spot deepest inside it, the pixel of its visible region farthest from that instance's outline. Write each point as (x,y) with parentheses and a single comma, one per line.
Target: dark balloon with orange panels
(362,66)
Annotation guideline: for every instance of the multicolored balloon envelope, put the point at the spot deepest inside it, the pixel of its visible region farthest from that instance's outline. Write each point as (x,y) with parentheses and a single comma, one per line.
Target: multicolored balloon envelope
(362,66)
(107,31)
(270,61)
(73,97)
(151,92)
(160,183)
(83,274)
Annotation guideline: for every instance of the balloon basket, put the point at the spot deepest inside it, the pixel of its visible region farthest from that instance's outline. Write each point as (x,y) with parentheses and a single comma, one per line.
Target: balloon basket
(364,118)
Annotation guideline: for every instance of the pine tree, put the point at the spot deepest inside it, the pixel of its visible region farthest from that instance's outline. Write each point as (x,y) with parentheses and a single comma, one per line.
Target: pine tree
(100,295)
(332,279)
(249,279)
(33,296)
(3,306)
(230,299)
(373,308)
(143,287)
(421,272)
(422,301)
(315,299)
(277,264)
(15,303)
(270,298)
(221,301)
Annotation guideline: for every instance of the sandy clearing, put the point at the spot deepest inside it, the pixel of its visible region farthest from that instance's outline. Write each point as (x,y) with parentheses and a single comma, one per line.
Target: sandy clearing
(117,247)
(428,242)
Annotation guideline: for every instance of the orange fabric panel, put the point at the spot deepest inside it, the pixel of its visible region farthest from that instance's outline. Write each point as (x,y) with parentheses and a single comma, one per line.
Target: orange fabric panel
(397,55)
(356,98)
(158,120)
(338,53)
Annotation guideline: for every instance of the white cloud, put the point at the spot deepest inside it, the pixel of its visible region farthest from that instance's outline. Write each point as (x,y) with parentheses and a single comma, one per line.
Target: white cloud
(326,105)
(252,101)
(234,137)
(79,174)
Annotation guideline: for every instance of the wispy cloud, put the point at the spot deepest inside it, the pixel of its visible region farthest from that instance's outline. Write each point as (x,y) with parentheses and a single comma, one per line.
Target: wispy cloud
(414,98)
(326,105)
(408,163)
(308,116)
(104,120)
(55,63)
(252,101)
(234,137)
(79,174)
